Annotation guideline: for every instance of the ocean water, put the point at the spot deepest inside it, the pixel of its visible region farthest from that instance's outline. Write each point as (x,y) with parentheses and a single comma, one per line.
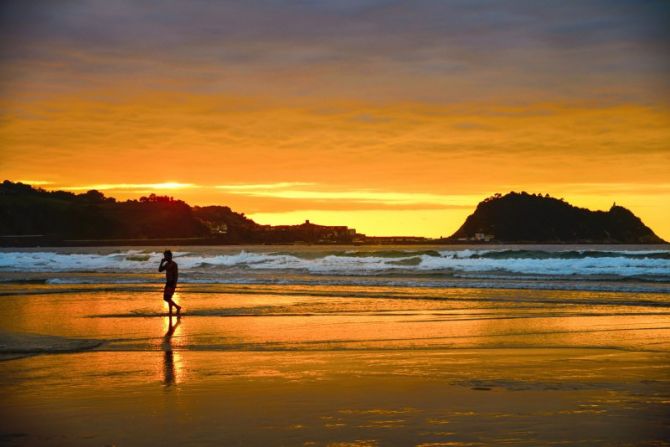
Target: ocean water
(598,268)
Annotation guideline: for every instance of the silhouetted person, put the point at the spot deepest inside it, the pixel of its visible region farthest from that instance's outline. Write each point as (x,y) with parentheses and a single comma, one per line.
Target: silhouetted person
(171,276)
(168,360)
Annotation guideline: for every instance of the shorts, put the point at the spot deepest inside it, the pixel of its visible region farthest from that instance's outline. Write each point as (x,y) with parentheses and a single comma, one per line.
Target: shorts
(168,291)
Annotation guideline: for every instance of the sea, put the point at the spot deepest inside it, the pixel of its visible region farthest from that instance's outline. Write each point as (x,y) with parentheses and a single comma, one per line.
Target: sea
(616,268)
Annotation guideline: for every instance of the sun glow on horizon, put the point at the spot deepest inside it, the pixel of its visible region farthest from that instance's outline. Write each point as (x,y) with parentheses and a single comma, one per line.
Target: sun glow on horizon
(128,186)
(240,188)
(283,191)
(34,182)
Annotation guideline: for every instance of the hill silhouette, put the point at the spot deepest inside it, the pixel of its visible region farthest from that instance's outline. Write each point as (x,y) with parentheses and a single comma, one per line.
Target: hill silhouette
(523,217)
(33,216)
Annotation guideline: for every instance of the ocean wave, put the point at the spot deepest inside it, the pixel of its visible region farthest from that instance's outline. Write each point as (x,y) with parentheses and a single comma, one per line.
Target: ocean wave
(567,254)
(653,265)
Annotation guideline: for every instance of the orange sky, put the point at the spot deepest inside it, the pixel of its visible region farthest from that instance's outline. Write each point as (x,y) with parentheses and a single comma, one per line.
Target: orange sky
(392,118)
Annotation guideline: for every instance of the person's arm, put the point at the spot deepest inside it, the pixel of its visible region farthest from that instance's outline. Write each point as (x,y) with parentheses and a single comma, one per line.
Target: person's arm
(162,266)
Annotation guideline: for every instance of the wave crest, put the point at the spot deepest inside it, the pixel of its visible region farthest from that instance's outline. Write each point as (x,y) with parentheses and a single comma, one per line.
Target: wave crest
(643,264)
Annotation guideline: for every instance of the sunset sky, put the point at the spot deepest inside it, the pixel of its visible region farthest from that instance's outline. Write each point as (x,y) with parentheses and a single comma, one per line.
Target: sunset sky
(394,117)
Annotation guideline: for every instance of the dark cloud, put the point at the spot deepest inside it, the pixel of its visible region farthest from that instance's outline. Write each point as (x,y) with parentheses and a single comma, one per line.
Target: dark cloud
(417,50)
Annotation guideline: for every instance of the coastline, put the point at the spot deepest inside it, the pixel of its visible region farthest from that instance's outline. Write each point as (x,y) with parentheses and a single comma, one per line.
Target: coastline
(41,241)
(316,366)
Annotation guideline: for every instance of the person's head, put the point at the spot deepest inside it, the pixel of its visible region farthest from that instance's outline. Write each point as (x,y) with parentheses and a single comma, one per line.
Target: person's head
(168,255)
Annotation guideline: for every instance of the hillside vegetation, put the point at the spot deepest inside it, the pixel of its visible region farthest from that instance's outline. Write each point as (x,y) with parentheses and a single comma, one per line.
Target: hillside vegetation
(523,217)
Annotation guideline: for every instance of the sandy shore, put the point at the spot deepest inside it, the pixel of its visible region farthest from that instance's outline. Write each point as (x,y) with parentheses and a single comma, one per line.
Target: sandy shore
(259,366)
(465,397)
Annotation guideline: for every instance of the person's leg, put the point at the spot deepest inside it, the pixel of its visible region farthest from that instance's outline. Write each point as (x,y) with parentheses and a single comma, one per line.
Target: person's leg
(167,297)
(176,305)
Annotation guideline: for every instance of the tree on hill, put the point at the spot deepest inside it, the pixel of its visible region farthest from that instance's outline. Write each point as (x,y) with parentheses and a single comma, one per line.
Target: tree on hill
(26,210)
(524,217)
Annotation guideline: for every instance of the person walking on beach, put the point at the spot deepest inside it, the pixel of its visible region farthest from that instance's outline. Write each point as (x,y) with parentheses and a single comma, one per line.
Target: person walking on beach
(171,276)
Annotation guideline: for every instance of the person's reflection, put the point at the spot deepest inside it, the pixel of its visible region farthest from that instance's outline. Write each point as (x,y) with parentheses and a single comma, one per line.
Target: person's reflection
(169,377)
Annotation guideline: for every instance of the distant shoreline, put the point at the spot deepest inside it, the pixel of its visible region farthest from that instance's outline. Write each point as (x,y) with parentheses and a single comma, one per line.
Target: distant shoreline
(35,241)
(34,217)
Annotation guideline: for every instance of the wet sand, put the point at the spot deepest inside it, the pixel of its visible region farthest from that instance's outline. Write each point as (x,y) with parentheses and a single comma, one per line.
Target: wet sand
(272,365)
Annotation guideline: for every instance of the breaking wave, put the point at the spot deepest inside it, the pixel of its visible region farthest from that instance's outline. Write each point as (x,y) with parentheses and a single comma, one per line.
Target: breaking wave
(650,264)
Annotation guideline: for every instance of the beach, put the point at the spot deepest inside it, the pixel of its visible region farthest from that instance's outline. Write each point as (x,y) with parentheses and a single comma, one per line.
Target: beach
(337,346)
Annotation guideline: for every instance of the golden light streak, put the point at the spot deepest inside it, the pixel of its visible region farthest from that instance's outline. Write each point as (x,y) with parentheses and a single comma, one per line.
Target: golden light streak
(34,182)
(367,196)
(122,186)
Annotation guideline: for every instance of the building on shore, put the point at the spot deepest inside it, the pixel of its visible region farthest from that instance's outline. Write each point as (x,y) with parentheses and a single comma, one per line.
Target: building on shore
(395,240)
(308,232)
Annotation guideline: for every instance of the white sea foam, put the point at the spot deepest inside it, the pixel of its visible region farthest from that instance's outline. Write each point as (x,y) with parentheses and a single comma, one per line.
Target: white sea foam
(653,263)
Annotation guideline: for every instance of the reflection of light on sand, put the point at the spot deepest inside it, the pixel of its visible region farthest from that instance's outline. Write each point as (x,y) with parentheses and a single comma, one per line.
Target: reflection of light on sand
(173,362)
(166,306)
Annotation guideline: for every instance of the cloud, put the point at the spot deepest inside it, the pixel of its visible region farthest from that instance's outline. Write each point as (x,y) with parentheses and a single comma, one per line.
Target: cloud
(418,51)
(241,188)
(611,189)
(202,139)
